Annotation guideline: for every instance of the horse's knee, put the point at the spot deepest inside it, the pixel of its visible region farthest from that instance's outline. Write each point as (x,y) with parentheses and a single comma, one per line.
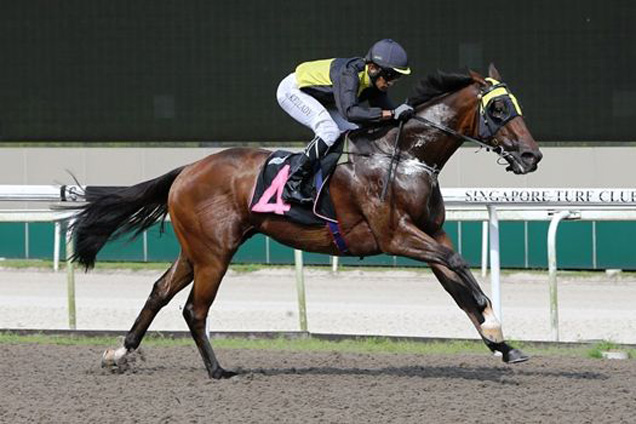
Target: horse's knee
(457,262)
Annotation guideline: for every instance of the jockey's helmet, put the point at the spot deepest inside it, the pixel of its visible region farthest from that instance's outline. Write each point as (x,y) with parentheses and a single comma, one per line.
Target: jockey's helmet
(390,57)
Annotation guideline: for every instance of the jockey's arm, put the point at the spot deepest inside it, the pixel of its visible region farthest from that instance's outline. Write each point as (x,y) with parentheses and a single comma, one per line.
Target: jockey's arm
(383,101)
(346,96)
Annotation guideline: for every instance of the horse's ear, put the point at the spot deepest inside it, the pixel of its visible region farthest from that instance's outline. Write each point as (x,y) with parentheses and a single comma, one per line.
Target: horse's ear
(477,78)
(493,72)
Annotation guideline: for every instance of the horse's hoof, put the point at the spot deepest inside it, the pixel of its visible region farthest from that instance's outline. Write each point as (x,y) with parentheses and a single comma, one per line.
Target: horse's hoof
(515,356)
(108,358)
(114,358)
(220,373)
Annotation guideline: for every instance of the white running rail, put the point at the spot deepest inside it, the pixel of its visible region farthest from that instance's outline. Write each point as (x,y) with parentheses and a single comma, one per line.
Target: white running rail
(488,205)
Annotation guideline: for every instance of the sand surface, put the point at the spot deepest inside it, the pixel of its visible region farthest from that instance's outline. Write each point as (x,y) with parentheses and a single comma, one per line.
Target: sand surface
(64,384)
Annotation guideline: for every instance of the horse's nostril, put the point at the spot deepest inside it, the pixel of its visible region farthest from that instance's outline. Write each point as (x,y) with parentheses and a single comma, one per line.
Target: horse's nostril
(531,157)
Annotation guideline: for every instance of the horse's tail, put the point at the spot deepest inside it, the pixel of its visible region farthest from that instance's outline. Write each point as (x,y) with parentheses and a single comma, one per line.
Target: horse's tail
(116,213)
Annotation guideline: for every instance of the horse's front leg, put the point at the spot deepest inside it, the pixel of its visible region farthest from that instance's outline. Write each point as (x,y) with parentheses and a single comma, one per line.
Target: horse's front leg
(454,274)
(484,319)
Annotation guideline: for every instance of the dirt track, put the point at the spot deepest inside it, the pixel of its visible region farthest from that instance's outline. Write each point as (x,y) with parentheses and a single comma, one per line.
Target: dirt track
(64,384)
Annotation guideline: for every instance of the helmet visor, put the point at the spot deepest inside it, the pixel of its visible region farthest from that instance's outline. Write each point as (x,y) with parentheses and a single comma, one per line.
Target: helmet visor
(390,74)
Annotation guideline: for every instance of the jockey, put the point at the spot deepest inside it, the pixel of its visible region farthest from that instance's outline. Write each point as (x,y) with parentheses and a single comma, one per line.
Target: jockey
(326,96)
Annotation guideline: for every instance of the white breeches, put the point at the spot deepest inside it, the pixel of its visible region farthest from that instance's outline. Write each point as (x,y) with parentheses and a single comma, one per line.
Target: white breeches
(327,124)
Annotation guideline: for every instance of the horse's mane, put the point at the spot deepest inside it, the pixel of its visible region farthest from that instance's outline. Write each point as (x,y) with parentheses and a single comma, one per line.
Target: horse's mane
(437,84)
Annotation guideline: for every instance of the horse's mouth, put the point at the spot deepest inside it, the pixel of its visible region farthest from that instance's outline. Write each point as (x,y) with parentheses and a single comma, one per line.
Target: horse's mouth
(516,168)
(519,166)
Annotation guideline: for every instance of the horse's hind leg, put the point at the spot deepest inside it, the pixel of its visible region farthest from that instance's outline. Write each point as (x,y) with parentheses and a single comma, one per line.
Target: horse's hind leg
(178,276)
(465,290)
(207,279)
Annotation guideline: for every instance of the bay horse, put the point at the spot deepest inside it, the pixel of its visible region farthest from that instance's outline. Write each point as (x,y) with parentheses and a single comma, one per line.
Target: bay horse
(209,205)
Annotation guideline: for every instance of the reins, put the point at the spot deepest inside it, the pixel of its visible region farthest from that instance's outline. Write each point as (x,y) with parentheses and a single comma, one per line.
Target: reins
(443,128)
(394,156)
(498,150)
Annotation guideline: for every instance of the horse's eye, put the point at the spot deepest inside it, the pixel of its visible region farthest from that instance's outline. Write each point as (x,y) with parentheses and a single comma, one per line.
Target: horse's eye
(499,110)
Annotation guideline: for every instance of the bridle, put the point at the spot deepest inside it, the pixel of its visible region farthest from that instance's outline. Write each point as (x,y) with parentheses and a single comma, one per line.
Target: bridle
(489,120)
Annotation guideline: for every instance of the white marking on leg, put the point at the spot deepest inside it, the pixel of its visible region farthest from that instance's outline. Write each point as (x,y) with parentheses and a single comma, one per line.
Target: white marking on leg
(491,327)
(114,357)
(108,358)
(120,353)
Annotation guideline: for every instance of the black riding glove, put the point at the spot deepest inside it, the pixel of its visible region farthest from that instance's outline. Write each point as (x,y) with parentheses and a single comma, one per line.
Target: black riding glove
(403,112)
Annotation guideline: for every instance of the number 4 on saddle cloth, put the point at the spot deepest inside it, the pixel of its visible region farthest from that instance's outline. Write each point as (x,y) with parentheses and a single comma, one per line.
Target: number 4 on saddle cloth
(268,192)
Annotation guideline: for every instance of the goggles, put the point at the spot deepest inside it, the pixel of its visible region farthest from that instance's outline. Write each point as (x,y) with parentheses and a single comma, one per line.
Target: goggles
(496,107)
(389,74)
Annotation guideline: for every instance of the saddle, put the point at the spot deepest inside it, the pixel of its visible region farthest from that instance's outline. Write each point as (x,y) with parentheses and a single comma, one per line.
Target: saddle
(267,197)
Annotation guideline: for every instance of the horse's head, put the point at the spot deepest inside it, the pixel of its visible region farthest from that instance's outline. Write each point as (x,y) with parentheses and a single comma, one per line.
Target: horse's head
(500,124)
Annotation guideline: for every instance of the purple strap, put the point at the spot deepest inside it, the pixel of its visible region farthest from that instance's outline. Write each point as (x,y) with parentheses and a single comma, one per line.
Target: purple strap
(333,227)
(337,237)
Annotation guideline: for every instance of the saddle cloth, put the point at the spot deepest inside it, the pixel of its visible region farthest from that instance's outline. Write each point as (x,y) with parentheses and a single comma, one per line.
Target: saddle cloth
(267,197)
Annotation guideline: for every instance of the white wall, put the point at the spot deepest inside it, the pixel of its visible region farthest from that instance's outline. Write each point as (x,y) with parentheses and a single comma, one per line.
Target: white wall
(588,167)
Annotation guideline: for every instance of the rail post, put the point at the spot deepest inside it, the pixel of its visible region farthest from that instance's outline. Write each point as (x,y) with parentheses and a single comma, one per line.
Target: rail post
(56,245)
(493,224)
(334,264)
(300,289)
(552,270)
(484,249)
(70,276)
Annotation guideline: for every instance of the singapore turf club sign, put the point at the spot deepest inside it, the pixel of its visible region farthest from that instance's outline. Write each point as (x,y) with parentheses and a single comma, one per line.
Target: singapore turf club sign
(542,196)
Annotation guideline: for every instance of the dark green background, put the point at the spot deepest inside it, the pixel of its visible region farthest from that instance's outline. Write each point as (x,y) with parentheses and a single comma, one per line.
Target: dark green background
(575,244)
(79,70)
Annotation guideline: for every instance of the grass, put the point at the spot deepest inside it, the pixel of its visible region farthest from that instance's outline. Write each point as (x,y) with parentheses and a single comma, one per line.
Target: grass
(151,266)
(597,350)
(122,266)
(48,264)
(26,263)
(377,345)
(369,345)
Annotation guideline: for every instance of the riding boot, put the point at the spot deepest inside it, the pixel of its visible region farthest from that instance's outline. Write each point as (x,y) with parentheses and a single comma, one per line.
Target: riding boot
(296,189)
